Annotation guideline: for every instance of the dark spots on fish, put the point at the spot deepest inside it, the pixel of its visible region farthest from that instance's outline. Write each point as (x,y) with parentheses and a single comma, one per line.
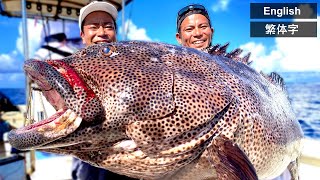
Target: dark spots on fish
(172,102)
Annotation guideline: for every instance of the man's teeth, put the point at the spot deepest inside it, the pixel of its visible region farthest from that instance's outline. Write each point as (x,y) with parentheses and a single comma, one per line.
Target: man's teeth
(198,42)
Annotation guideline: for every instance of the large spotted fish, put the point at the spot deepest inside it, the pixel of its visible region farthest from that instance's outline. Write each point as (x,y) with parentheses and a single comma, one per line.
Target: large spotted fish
(158,111)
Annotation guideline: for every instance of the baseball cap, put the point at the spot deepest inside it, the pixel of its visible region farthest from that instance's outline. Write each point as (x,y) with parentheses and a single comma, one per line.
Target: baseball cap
(97,6)
(189,10)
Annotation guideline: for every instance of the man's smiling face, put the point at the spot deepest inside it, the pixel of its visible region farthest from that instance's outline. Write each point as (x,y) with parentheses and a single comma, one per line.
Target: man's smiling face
(98,27)
(195,32)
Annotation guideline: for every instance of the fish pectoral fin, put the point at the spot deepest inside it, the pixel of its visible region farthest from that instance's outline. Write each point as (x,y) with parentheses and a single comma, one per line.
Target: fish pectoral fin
(230,161)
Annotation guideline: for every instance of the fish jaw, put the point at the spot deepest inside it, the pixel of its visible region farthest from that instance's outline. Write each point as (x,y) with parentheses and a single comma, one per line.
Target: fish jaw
(41,133)
(62,88)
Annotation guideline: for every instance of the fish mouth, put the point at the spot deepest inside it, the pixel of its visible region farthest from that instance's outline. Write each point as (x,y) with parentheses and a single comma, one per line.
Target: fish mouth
(51,80)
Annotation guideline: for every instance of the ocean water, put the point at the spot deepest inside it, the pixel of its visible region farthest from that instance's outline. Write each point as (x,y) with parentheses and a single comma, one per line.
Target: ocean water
(304,93)
(17,96)
(303,90)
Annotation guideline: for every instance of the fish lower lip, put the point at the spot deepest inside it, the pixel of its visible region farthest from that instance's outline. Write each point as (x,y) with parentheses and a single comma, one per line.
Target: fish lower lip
(55,127)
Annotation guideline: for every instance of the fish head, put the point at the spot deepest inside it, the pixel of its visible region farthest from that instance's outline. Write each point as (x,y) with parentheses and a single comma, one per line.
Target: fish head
(98,90)
(76,104)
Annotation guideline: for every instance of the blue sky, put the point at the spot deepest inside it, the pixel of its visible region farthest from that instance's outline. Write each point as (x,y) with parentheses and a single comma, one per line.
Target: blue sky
(156,21)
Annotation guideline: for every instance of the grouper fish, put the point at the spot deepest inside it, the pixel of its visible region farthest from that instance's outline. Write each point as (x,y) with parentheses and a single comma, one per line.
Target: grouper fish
(158,111)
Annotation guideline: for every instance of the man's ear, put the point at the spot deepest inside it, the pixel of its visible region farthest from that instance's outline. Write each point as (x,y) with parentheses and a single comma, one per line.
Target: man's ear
(82,37)
(178,38)
(212,30)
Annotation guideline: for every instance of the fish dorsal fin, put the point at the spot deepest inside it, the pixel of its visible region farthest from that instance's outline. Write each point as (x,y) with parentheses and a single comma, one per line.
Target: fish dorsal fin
(214,50)
(223,48)
(275,79)
(246,58)
(220,50)
(234,53)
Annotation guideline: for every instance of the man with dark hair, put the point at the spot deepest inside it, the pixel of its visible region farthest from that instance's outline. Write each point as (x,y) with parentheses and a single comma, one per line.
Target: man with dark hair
(194,30)
(194,27)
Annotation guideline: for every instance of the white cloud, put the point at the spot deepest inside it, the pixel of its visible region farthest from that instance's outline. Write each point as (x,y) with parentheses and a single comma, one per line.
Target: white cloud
(36,33)
(16,77)
(220,5)
(12,80)
(261,60)
(6,61)
(10,63)
(289,54)
(135,33)
(34,36)
(11,70)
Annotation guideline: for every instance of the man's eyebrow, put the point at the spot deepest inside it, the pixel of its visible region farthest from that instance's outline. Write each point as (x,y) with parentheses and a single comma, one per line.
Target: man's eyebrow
(106,22)
(191,25)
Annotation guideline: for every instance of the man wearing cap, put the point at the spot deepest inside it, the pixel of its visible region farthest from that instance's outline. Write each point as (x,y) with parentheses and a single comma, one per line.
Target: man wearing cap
(194,27)
(97,25)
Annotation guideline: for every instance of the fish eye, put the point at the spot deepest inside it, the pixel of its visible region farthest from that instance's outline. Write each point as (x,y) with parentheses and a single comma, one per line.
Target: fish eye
(108,50)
